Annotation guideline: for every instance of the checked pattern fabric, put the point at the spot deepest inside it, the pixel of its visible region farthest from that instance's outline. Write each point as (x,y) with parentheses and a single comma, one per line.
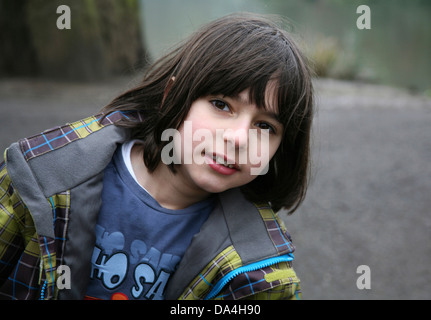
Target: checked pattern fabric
(275,282)
(28,262)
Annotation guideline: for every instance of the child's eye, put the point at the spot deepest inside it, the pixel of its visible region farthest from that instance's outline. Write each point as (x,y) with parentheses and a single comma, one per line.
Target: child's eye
(266,126)
(219,104)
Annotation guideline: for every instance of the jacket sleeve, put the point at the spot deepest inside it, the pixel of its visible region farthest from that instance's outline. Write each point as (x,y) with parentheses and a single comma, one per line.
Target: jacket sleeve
(281,280)
(16,225)
(283,284)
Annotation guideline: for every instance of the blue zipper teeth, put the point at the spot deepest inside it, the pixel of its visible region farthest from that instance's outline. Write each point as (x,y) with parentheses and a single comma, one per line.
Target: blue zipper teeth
(248,268)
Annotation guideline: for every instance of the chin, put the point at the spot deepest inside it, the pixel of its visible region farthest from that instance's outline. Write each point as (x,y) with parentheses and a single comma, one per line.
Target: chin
(213,185)
(215,188)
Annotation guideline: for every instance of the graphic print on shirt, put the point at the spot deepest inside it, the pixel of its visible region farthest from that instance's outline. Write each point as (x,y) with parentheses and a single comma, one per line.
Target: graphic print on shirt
(138,272)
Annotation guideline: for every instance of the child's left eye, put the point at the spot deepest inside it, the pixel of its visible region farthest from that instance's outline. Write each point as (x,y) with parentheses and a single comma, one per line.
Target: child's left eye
(266,126)
(221,105)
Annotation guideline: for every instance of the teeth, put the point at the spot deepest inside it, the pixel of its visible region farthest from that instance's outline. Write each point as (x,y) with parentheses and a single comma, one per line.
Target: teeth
(220,160)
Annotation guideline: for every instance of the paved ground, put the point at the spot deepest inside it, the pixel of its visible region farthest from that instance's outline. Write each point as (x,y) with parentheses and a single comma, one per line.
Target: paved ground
(369,200)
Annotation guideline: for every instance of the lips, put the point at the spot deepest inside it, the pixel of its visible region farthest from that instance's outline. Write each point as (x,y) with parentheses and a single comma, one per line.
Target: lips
(223,160)
(221,164)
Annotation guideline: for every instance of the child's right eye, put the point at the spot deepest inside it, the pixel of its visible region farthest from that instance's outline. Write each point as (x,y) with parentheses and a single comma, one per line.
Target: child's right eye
(221,105)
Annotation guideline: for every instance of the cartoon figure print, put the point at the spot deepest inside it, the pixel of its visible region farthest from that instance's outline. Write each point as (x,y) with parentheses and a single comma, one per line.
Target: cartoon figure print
(140,273)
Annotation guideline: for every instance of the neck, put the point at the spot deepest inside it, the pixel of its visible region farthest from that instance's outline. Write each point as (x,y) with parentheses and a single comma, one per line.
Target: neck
(166,187)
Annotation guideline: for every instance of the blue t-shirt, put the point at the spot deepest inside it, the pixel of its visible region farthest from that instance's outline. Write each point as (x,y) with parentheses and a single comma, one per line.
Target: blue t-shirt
(138,243)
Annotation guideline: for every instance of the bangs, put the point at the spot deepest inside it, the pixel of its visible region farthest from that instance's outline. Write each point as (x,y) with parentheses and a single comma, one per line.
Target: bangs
(258,90)
(255,56)
(278,91)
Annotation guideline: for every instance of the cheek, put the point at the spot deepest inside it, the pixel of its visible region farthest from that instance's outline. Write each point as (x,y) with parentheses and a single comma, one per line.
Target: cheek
(263,147)
(193,139)
(260,153)
(274,147)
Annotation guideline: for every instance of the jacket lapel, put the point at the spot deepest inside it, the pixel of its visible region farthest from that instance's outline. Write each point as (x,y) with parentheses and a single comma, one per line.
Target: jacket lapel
(235,227)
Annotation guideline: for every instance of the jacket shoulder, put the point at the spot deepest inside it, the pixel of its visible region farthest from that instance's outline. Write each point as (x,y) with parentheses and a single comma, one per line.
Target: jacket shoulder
(276,229)
(226,278)
(61,136)
(15,219)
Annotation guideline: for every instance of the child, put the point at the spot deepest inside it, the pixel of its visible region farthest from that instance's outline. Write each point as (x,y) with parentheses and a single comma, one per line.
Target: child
(170,193)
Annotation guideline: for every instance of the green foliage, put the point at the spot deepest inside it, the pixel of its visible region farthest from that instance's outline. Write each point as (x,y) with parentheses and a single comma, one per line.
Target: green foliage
(330,59)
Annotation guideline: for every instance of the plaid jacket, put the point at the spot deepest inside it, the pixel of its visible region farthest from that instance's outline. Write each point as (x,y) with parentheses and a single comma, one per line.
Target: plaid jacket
(50,187)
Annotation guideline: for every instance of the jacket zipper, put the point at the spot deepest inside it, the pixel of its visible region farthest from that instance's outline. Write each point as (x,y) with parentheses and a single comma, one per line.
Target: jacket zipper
(248,268)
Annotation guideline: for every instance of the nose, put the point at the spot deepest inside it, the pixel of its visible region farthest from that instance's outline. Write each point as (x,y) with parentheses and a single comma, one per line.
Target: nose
(237,136)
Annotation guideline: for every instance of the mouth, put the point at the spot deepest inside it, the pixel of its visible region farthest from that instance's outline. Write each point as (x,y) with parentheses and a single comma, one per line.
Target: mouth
(222,164)
(224,161)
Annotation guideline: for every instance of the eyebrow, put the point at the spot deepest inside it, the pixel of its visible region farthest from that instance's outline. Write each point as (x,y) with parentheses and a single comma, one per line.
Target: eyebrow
(239,98)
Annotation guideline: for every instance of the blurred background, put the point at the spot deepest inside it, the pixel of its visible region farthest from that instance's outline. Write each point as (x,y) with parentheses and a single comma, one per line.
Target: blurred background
(369,197)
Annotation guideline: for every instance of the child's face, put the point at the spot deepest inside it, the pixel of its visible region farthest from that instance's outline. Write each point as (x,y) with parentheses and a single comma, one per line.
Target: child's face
(232,129)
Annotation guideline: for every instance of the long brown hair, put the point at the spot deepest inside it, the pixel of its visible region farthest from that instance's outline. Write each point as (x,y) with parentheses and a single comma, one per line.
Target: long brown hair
(227,56)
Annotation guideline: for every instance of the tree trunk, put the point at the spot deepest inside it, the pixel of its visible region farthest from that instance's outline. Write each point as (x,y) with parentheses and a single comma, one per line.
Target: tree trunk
(17,54)
(104,39)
